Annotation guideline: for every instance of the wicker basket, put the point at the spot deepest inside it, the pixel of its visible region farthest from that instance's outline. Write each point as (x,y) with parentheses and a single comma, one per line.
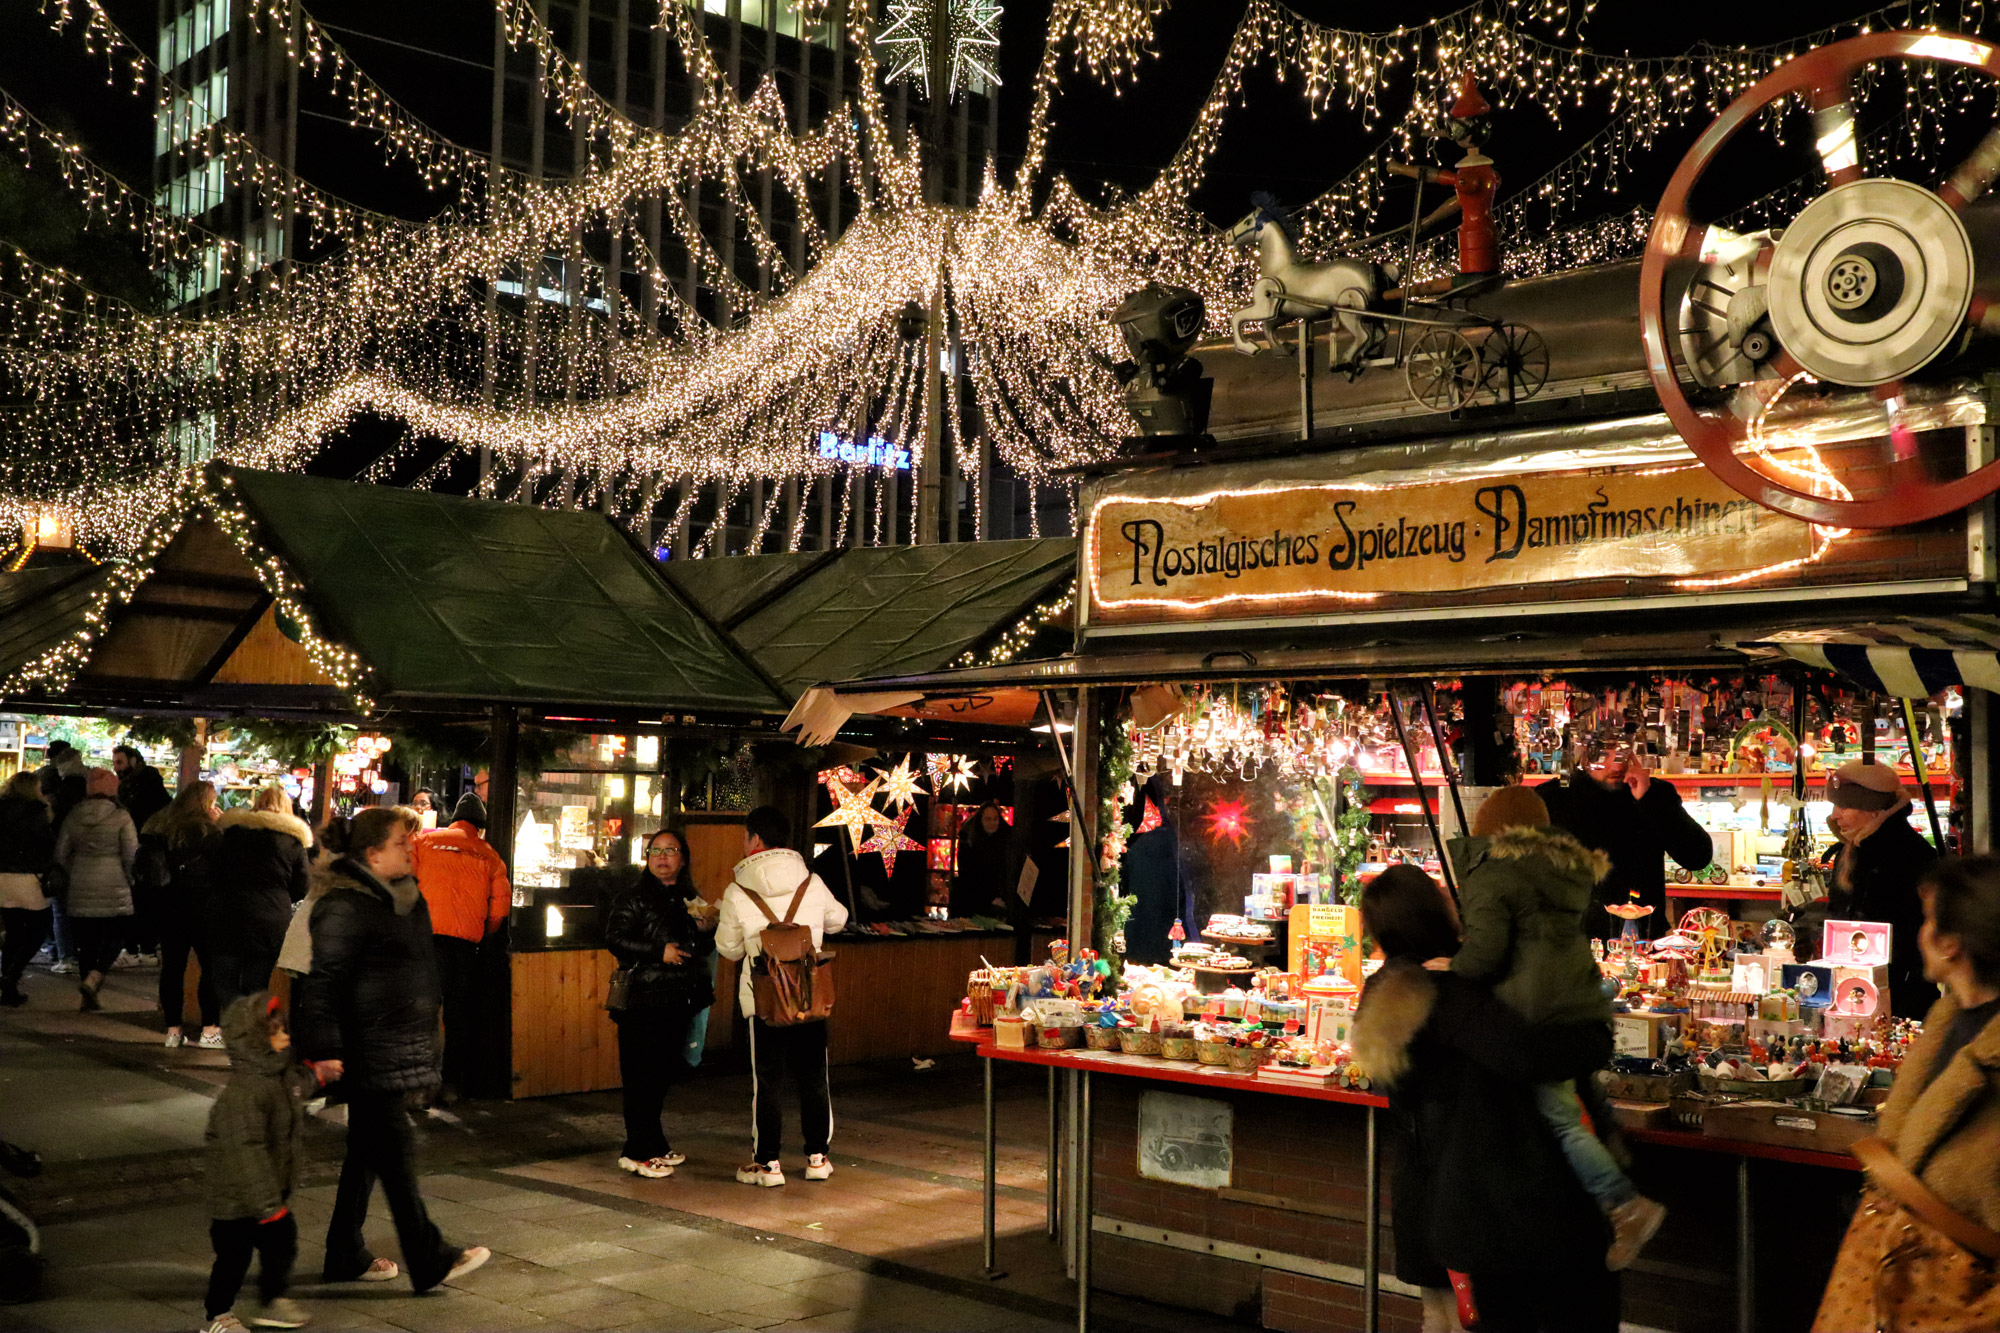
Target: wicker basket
(979,989)
(1212,1052)
(1058,1039)
(1100,1038)
(1247,1059)
(1177,1048)
(1138,1041)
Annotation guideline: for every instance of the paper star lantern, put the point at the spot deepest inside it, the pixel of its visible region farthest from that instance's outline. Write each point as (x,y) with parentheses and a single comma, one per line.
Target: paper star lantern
(889,841)
(960,775)
(900,785)
(853,811)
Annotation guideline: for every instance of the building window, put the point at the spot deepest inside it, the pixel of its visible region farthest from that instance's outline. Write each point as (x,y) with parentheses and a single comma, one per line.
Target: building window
(193,31)
(189,113)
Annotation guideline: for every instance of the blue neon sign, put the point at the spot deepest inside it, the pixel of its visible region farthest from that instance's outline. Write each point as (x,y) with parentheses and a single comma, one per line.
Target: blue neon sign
(877,452)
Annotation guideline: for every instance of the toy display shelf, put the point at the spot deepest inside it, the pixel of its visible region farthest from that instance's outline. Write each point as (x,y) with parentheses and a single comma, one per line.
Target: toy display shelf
(1936,781)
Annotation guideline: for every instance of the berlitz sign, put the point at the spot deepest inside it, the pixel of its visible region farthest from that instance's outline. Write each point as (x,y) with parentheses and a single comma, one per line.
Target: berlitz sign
(1293,545)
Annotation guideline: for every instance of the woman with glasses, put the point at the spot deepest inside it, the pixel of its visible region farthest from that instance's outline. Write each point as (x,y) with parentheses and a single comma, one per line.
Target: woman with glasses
(652,931)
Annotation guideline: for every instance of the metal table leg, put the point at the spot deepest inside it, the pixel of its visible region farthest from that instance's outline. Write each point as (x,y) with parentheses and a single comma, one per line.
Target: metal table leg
(1746,1259)
(992,1169)
(1054,1190)
(1080,1218)
(1371,1263)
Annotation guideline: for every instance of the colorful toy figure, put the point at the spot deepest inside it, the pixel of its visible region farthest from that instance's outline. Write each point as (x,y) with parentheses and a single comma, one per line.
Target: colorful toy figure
(1475,182)
(1177,932)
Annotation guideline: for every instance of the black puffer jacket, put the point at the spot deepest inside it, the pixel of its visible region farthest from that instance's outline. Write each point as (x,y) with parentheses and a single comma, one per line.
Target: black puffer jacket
(1480,1184)
(27,836)
(644,919)
(261,870)
(371,999)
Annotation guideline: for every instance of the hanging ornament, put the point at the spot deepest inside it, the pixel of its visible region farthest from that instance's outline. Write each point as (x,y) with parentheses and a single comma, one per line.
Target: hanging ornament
(901,785)
(947,44)
(853,811)
(889,841)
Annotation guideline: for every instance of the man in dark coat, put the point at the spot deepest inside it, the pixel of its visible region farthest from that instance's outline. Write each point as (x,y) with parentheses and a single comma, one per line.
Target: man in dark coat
(1620,809)
(369,1005)
(1876,866)
(1152,874)
(141,789)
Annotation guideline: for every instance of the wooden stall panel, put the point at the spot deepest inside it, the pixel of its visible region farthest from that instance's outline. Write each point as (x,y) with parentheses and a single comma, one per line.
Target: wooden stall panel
(564,1040)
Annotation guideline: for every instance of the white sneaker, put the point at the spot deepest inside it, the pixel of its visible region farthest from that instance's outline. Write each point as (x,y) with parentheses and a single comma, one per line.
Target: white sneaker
(175,1039)
(223,1323)
(819,1167)
(124,962)
(766,1174)
(652,1168)
(67,968)
(280,1313)
(211,1039)
(470,1259)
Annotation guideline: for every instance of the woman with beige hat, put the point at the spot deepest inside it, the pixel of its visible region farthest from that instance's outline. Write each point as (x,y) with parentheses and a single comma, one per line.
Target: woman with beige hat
(1876,866)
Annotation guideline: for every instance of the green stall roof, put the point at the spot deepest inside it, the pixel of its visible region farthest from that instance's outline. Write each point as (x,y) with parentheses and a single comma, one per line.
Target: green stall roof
(727,588)
(40,609)
(452,598)
(891,610)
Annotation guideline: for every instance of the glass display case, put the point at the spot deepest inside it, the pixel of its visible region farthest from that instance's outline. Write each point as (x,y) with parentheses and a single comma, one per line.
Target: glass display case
(577,837)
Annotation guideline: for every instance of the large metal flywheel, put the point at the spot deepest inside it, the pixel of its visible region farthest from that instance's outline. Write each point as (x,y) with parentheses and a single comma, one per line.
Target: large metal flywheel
(1869,284)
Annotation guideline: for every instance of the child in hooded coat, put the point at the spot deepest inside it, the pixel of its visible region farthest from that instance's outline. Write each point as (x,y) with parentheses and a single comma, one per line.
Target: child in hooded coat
(1524,888)
(254,1157)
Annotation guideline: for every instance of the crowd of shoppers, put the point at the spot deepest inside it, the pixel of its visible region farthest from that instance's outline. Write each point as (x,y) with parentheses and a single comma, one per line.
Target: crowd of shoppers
(1485,1030)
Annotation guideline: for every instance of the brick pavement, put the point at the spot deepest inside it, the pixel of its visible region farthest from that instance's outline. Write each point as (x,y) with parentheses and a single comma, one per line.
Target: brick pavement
(891,1242)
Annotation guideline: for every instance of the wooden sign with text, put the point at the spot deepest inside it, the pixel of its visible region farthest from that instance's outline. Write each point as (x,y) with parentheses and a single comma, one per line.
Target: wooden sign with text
(1317,544)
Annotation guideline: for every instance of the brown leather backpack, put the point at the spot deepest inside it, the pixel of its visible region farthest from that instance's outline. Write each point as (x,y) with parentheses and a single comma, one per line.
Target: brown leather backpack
(790,980)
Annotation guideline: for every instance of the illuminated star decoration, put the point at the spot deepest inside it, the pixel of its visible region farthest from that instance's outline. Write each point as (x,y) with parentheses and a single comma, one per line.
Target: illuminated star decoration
(853,811)
(963,771)
(900,785)
(964,33)
(889,840)
(1228,819)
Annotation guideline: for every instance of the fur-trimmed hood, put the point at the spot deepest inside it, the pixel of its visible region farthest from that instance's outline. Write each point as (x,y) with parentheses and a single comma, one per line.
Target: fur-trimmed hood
(1553,845)
(272,821)
(1395,1005)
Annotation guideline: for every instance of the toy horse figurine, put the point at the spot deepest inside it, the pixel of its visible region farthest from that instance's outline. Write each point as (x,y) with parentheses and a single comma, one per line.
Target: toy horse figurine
(1290,290)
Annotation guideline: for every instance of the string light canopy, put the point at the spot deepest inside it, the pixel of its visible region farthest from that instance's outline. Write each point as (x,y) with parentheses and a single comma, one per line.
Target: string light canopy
(396,318)
(950,45)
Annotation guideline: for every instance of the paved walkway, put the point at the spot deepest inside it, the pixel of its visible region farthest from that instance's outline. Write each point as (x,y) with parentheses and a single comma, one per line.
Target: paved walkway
(891,1242)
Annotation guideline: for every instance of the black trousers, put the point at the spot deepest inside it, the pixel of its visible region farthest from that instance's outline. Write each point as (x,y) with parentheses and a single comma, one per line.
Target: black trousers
(276,1245)
(98,940)
(458,964)
(650,1061)
(240,970)
(800,1049)
(381,1146)
(26,928)
(180,936)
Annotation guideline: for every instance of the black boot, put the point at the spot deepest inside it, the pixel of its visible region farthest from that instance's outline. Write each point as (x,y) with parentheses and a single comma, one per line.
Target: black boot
(10,994)
(88,990)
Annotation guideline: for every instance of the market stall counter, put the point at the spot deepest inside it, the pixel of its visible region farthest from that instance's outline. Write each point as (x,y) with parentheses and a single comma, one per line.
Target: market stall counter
(891,987)
(1257,1223)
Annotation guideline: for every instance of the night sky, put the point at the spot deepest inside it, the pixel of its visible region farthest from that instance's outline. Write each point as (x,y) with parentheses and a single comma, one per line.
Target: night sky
(1271,142)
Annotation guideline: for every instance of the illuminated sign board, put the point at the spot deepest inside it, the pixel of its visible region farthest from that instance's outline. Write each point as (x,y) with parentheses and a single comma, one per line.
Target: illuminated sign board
(877,452)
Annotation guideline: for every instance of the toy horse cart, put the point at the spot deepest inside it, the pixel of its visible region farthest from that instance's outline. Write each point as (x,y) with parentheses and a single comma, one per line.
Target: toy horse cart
(1452,357)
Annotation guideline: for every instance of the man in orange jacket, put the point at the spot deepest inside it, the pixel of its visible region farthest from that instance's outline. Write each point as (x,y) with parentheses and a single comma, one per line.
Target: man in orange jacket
(465,883)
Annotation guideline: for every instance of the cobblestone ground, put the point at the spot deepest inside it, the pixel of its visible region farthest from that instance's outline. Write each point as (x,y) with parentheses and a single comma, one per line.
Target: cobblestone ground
(891,1242)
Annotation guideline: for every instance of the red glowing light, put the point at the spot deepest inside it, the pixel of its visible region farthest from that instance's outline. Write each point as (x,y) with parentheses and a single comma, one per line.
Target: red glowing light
(1229,819)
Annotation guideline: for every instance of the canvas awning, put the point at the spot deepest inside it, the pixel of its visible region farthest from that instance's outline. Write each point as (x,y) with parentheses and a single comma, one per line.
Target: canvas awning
(1911,657)
(281,590)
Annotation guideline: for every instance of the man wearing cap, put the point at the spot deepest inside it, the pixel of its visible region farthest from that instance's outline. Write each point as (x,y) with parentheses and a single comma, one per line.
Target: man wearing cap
(1876,866)
(465,883)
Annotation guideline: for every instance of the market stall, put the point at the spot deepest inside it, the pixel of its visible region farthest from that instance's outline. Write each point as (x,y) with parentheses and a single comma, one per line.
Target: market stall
(1312,665)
